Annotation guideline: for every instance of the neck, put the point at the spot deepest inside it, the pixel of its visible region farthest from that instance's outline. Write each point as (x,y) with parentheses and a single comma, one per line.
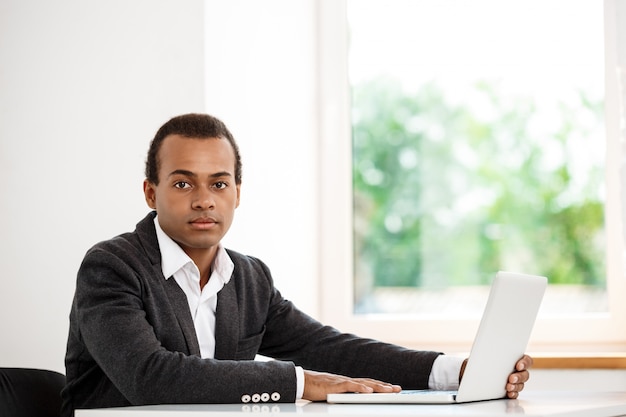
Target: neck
(203,259)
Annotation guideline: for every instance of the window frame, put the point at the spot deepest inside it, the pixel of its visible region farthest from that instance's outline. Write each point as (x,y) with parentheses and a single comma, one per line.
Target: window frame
(589,333)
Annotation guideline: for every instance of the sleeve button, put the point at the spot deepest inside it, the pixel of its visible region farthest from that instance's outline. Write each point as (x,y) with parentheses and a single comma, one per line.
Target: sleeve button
(265,397)
(256,398)
(245,398)
(275,396)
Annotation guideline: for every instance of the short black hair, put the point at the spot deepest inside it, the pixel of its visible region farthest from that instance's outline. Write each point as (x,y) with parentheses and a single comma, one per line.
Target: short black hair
(192,125)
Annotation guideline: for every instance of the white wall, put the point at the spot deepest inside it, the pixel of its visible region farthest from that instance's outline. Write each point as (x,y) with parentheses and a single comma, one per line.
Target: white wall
(261,80)
(83,87)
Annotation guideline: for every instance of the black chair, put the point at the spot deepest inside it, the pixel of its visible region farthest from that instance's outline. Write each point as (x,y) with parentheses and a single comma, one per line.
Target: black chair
(30,392)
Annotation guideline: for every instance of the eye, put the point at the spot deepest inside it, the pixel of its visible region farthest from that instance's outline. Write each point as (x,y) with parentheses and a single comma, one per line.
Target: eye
(220,185)
(181,185)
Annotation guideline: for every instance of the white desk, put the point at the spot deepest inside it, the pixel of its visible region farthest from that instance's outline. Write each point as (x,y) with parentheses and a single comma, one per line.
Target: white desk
(537,404)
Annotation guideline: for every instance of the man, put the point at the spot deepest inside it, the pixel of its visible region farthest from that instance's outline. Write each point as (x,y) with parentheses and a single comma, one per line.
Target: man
(166,314)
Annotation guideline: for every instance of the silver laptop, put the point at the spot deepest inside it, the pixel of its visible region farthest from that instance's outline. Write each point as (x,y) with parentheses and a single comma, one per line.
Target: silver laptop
(501,340)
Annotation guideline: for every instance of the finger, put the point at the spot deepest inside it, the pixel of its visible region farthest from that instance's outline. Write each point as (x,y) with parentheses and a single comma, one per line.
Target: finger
(526,362)
(353,386)
(379,386)
(514,387)
(387,388)
(344,384)
(512,394)
(519,377)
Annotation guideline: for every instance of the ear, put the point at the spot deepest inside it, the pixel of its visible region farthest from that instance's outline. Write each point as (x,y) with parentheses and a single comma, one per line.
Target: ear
(238,195)
(149,193)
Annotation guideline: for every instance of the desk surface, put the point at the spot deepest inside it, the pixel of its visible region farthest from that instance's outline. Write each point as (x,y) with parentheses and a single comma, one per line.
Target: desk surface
(532,403)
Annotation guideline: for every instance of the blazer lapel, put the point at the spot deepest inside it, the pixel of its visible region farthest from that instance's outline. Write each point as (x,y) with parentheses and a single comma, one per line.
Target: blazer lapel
(227,322)
(178,299)
(148,238)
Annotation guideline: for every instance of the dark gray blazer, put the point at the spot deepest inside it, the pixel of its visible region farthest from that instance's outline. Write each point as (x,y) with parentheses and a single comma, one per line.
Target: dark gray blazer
(132,339)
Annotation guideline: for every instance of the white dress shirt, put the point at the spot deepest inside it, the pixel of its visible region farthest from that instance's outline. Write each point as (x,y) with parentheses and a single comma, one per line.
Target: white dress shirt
(203,304)
(444,374)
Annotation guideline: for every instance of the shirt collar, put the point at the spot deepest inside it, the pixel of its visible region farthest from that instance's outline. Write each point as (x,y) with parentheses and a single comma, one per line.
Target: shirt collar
(174,258)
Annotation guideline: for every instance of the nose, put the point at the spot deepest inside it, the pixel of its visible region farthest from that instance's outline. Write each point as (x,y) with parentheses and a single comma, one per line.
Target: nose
(203,199)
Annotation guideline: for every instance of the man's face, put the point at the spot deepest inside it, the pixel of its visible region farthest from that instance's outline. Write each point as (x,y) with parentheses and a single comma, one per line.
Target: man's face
(196,196)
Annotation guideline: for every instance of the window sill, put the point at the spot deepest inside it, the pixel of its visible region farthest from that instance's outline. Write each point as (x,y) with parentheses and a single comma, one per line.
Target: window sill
(580,361)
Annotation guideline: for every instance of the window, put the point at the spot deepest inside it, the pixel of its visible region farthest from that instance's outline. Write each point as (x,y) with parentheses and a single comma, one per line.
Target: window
(562,183)
(476,153)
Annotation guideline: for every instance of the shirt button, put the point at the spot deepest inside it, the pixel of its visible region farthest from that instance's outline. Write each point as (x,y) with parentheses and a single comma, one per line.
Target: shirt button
(275,396)
(256,398)
(265,397)
(245,398)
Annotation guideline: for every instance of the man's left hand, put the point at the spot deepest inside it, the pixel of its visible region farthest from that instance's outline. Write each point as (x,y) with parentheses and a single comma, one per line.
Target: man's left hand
(518,377)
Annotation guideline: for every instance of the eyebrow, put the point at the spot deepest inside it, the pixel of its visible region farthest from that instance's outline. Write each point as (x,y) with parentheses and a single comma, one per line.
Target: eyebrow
(194,175)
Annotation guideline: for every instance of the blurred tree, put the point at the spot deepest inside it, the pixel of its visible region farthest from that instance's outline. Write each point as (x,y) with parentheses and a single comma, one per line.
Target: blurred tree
(447,194)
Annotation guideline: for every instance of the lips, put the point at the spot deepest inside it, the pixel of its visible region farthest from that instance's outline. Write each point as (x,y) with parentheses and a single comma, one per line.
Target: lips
(203,223)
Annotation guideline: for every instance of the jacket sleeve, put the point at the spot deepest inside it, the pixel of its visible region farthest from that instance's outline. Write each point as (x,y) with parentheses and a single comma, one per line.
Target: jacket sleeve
(115,356)
(293,335)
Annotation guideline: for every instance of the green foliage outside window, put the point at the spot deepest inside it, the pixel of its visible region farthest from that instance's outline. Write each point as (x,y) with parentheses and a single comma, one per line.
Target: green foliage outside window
(447,193)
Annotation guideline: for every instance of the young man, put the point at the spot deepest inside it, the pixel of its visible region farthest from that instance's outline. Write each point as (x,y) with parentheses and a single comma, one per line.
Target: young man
(166,314)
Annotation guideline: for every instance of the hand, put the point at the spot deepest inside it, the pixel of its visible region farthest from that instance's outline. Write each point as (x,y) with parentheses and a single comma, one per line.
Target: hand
(518,377)
(319,384)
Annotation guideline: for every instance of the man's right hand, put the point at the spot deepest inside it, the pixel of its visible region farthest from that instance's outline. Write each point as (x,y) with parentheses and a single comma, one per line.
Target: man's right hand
(317,385)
